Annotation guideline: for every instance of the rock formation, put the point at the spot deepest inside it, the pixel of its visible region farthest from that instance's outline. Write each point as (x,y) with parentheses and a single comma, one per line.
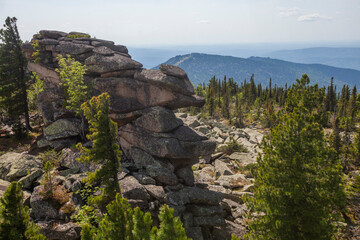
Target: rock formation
(158,149)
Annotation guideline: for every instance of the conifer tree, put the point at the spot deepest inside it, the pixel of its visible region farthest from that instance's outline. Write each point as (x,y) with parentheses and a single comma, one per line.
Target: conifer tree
(170,227)
(13,80)
(71,74)
(14,217)
(105,147)
(298,184)
(117,222)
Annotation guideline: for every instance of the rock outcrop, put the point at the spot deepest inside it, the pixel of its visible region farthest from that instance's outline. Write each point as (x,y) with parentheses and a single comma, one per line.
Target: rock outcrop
(158,150)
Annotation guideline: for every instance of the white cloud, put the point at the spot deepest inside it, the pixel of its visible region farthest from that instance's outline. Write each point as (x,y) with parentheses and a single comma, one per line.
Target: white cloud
(204,22)
(312,17)
(287,12)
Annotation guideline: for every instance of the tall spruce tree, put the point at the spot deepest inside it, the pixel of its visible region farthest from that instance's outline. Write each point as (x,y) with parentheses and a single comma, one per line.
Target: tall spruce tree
(14,217)
(105,148)
(13,80)
(298,185)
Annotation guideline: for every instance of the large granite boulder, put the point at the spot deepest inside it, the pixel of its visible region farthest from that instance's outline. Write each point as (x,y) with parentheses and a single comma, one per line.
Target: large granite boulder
(14,166)
(63,128)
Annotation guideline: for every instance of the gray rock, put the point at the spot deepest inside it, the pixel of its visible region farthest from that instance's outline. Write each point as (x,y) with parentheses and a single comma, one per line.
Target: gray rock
(40,208)
(144,179)
(229,205)
(172,70)
(194,195)
(187,175)
(132,189)
(225,232)
(14,166)
(101,64)
(181,115)
(60,230)
(194,233)
(68,159)
(52,34)
(162,175)
(156,192)
(102,50)
(120,74)
(209,221)
(243,158)
(154,168)
(198,210)
(194,124)
(29,179)
(62,128)
(158,78)
(48,42)
(158,119)
(222,169)
(73,48)
(3,186)
(128,95)
(232,181)
(203,177)
(159,147)
(110,44)
(203,129)
(141,158)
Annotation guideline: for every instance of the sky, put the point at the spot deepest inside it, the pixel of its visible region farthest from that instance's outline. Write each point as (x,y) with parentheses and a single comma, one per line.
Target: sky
(143,23)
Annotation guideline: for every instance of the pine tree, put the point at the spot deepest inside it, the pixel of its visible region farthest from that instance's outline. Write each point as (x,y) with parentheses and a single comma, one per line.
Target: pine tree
(298,184)
(14,217)
(117,223)
(142,225)
(71,74)
(121,222)
(13,80)
(170,227)
(105,148)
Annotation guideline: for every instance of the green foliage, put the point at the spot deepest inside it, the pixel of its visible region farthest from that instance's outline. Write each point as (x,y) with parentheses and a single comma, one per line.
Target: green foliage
(299,184)
(142,225)
(87,232)
(74,36)
(55,194)
(87,215)
(170,227)
(233,146)
(13,80)
(51,156)
(105,148)
(14,217)
(118,222)
(36,47)
(34,90)
(121,222)
(71,74)
(233,237)
(48,181)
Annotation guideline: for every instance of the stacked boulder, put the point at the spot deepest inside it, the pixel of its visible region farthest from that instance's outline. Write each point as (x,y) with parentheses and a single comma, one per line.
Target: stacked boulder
(159,150)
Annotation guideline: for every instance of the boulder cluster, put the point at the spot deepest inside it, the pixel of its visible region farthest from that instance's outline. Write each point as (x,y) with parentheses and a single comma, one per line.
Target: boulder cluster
(168,158)
(158,149)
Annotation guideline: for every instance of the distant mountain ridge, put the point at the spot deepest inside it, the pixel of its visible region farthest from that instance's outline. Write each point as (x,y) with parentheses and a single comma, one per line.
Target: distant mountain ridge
(201,67)
(336,57)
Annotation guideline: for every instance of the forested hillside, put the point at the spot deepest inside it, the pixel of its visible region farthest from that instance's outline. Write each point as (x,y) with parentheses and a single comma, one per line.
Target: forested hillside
(201,67)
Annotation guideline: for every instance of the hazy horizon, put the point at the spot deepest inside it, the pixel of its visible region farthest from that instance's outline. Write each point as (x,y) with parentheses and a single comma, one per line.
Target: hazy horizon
(164,23)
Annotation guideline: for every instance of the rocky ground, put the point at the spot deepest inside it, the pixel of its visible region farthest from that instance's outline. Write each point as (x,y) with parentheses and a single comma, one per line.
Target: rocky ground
(210,196)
